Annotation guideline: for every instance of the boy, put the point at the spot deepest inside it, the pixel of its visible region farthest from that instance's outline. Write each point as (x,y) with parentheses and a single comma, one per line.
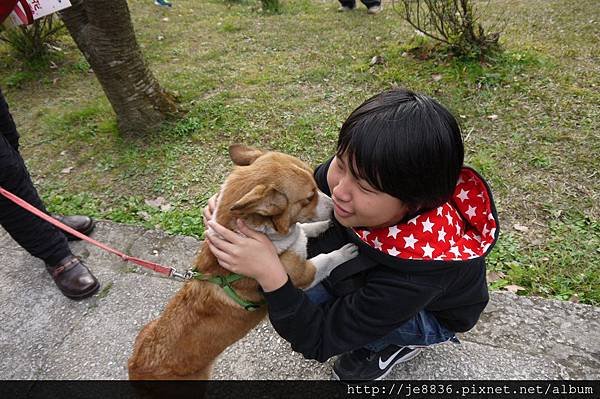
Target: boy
(423,224)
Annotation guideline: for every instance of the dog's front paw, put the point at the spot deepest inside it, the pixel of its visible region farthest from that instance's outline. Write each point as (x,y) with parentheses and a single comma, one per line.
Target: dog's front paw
(314,229)
(348,251)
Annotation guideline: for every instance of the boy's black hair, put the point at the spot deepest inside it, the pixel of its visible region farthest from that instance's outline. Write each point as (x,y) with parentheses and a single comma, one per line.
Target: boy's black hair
(406,145)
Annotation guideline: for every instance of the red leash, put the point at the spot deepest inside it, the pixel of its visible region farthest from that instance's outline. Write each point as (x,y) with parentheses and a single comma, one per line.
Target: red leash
(169,271)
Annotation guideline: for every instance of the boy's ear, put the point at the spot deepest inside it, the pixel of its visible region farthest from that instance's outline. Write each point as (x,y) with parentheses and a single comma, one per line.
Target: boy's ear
(263,200)
(242,155)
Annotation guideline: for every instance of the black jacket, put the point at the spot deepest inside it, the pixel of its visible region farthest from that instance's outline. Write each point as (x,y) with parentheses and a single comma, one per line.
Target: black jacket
(376,293)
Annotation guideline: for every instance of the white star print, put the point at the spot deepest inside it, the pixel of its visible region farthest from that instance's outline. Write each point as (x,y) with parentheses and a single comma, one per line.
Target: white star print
(413,220)
(377,244)
(440,210)
(490,217)
(471,211)
(442,235)
(470,252)
(427,250)
(455,251)
(393,231)
(393,251)
(451,241)
(457,226)
(410,241)
(449,218)
(427,225)
(463,195)
(485,230)
(493,232)
(460,180)
(365,234)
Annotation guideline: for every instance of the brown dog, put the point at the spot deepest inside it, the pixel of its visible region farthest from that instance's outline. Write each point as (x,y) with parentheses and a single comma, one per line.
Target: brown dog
(272,192)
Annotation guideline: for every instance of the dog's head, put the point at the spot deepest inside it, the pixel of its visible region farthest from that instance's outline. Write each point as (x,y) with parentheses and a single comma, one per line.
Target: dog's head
(280,190)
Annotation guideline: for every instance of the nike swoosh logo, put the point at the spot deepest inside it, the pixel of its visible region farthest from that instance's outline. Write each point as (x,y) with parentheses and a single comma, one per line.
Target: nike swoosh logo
(384,364)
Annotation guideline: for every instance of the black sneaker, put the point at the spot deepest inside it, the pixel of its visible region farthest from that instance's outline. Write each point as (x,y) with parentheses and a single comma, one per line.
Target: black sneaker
(365,365)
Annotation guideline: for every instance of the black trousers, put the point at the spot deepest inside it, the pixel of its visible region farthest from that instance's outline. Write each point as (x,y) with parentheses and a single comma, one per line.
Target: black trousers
(367,3)
(36,236)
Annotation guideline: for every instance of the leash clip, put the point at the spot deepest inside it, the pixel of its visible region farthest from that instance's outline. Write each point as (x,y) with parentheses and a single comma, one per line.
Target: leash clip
(187,275)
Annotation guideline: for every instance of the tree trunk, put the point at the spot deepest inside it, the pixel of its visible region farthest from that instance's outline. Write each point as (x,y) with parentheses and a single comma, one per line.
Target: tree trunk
(104,33)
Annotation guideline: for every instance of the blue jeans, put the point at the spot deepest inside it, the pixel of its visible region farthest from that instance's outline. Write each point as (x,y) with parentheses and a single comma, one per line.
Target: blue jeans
(421,330)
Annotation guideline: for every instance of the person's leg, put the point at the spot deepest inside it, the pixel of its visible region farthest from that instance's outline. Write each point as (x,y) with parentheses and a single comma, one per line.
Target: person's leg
(318,294)
(36,236)
(377,359)
(347,5)
(373,6)
(420,331)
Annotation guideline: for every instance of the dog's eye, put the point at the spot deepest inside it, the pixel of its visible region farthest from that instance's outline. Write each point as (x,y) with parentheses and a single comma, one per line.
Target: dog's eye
(308,199)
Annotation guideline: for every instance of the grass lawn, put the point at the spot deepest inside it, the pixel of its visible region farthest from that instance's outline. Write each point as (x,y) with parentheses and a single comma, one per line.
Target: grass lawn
(287,82)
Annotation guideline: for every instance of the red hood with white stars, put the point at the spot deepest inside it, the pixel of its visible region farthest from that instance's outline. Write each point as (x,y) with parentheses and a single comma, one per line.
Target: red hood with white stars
(462,228)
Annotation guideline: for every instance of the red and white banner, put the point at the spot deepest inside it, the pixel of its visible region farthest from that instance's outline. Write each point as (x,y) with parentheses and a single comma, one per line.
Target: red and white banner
(38,8)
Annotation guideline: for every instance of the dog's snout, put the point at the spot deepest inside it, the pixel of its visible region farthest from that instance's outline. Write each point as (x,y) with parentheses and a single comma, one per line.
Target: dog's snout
(324,206)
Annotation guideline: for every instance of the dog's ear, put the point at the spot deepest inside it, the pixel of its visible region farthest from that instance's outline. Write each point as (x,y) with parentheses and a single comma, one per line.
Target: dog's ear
(263,200)
(242,155)
(282,222)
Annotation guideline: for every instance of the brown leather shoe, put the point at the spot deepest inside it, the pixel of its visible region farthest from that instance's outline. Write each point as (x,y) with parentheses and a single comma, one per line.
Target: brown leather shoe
(73,278)
(83,224)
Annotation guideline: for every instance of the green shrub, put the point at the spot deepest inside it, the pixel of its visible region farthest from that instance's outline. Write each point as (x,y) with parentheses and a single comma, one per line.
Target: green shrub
(451,22)
(272,6)
(33,42)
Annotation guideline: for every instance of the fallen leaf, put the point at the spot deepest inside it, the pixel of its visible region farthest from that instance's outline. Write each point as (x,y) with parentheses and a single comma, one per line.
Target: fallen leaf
(155,203)
(521,228)
(574,298)
(67,170)
(436,77)
(376,60)
(144,215)
(165,19)
(492,117)
(514,288)
(494,276)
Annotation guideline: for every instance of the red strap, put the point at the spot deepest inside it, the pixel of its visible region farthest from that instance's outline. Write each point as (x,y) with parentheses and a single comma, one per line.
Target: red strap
(23,204)
(28,11)
(25,15)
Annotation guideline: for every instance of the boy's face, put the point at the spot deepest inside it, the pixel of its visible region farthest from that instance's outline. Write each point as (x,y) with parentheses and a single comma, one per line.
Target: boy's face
(356,203)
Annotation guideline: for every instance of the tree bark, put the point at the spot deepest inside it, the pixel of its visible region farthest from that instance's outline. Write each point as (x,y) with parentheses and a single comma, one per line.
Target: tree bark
(103,31)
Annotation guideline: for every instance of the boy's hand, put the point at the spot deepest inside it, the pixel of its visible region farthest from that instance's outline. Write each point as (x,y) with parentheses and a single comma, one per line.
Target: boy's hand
(250,253)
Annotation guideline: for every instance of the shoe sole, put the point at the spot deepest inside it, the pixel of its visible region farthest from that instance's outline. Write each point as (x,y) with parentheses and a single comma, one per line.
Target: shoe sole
(402,359)
(84,295)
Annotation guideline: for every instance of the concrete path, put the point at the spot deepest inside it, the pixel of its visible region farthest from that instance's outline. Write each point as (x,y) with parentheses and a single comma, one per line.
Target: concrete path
(44,335)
